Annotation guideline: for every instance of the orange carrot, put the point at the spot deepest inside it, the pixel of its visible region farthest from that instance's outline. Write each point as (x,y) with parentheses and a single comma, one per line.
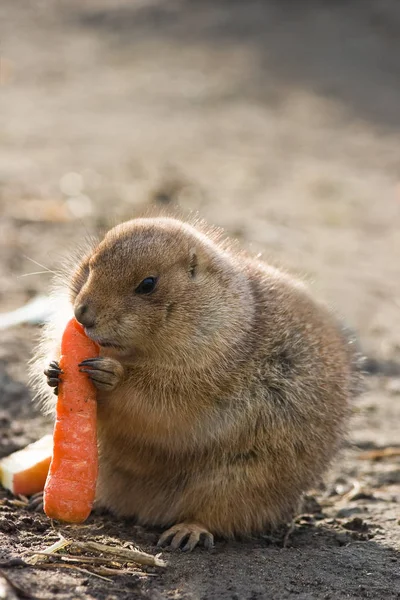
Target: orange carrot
(25,471)
(71,483)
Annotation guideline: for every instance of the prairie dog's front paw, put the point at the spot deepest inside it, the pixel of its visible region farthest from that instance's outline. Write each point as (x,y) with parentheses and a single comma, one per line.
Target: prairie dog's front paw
(105,373)
(53,374)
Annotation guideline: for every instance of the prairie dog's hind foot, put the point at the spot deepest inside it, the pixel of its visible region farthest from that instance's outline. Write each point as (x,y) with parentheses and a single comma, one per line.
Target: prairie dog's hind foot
(191,533)
(105,373)
(53,373)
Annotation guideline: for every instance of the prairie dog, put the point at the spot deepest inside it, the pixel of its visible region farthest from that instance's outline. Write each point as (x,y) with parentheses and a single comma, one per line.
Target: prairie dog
(223,387)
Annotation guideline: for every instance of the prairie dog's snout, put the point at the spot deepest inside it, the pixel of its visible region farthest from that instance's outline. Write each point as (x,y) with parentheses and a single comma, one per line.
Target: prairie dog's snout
(85,314)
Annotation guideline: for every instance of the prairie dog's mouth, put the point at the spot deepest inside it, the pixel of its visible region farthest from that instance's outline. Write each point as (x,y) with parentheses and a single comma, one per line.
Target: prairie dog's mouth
(102,342)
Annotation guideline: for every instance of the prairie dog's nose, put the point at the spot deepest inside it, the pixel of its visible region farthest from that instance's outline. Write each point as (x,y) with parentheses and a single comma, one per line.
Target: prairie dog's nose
(85,315)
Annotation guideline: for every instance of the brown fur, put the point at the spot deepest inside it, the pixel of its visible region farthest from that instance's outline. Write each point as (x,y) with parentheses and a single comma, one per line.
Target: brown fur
(235,382)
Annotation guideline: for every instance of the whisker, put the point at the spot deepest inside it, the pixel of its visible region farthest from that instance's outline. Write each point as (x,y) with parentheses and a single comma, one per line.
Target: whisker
(39,264)
(36,273)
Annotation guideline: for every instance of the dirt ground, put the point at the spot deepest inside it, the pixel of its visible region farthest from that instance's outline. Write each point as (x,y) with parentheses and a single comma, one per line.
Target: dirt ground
(277,120)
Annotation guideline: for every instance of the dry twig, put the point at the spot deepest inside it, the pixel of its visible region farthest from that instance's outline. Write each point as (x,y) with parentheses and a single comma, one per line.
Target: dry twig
(136,556)
(101,565)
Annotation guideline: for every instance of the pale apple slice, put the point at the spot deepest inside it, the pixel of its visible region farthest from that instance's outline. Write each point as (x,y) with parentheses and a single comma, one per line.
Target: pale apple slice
(25,471)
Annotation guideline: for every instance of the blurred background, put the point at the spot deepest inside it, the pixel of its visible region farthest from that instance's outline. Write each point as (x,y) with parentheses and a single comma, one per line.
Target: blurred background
(277,120)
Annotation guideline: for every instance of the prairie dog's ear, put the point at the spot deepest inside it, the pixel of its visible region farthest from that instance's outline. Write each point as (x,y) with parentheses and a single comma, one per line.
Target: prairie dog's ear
(193,262)
(205,259)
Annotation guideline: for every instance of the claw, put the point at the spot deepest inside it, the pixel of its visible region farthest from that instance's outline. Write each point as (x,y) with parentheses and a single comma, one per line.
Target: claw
(52,373)
(191,543)
(178,539)
(165,538)
(191,533)
(90,370)
(208,540)
(88,361)
(53,370)
(93,363)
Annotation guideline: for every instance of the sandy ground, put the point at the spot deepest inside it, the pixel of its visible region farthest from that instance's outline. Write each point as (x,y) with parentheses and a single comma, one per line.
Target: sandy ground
(279,121)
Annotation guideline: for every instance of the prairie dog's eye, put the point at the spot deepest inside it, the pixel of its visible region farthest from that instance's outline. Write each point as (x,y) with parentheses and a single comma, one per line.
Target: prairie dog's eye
(146,286)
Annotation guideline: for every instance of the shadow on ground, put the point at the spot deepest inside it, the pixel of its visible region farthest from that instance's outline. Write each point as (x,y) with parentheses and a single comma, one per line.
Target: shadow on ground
(345,51)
